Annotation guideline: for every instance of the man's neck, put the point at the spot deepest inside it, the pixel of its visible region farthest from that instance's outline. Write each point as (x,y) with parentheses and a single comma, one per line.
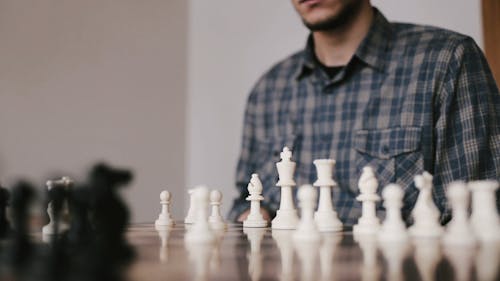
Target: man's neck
(336,47)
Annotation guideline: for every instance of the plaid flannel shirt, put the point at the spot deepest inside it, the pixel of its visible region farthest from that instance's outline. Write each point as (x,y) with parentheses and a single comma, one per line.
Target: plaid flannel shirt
(412,99)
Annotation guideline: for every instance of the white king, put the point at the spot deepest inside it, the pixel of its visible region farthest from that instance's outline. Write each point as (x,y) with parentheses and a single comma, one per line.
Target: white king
(286,216)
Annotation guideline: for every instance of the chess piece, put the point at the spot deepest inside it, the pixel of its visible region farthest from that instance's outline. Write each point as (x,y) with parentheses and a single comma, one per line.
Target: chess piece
(307,229)
(484,217)
(394,252)
(255,218)
(425,212)
(286,216)
(393,228)
(326,218)
(459,230)
(164,234)
(57,190)
(461,257)
(487,260)
(165,218)
(307,252)
(370,270)
(216,259)
(199,255)
(191,215)
(326,253)
(368,223)
(255,236)
(21,247)
(109,213)
(284,242)
(427,254)
(68,184)
(4,223)
(216,221)
(200,232)
(80,231)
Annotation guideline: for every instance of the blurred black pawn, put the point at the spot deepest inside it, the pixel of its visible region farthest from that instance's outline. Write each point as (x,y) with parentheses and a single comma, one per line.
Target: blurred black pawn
(22,249)
(4,222)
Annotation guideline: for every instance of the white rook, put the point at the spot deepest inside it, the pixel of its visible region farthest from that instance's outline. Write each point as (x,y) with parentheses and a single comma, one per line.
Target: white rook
(326,218)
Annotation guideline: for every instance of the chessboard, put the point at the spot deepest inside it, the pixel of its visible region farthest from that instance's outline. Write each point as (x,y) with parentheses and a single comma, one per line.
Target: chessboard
(88,235)
(264,254)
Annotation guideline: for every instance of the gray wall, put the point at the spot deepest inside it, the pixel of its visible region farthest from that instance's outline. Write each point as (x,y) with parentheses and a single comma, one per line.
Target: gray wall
(154,85)
(82,81)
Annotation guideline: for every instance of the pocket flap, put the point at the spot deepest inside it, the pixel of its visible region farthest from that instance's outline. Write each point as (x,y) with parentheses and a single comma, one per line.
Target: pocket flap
(388,143)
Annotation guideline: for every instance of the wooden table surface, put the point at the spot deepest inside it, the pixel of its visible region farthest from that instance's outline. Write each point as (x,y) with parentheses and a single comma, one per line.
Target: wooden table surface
(265,254)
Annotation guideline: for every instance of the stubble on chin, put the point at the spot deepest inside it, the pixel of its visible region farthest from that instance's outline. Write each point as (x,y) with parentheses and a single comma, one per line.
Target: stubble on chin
(336,21)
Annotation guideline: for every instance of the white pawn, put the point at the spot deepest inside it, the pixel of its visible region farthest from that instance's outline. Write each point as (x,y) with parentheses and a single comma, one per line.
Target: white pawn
(255,218)
(425,212)
(191,215)
(216,221)
(393,228)
(286,216)
(307,229)
(326,218)
(459,230)
(368,223)
(285,243)
(164,234)
(484,217)
(200,232)
(165,218)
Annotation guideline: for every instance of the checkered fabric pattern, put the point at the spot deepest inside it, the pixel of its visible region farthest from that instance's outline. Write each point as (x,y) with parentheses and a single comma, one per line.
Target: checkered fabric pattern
(412,99)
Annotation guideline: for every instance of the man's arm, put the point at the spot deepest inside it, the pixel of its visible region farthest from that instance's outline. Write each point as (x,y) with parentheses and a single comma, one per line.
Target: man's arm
(467,131)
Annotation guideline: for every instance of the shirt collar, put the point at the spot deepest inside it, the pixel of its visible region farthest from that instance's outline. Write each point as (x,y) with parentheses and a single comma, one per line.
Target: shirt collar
(372,50)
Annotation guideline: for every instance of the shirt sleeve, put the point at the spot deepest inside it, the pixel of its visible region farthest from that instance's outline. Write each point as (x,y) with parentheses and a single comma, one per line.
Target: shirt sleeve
(467,131)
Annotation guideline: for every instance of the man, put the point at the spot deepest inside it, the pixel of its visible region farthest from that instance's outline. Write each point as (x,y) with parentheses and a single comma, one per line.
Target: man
(401,98)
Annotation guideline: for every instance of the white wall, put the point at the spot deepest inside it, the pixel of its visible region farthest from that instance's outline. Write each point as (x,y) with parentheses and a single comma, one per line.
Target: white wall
(232,42)
(82,81)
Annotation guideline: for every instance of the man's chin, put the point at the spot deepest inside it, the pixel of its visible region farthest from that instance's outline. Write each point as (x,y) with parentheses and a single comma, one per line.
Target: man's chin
(323,25)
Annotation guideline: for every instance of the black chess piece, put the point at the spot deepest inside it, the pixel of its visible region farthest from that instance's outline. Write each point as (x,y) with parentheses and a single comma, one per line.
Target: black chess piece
(57,196)
(110,215)
(4,222)
(22,249)
(80,231)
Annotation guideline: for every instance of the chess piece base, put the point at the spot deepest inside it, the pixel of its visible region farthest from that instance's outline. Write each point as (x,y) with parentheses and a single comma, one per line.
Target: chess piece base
(285,219)
(366,227)
(327,221)
(306,236)
(163,222)
(463,239)
(392,234)
(426,231)
(254,223)
(217,225)
(199,236)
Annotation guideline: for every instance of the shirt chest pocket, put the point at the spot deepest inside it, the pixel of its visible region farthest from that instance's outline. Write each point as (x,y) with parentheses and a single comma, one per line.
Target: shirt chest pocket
(394,153)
